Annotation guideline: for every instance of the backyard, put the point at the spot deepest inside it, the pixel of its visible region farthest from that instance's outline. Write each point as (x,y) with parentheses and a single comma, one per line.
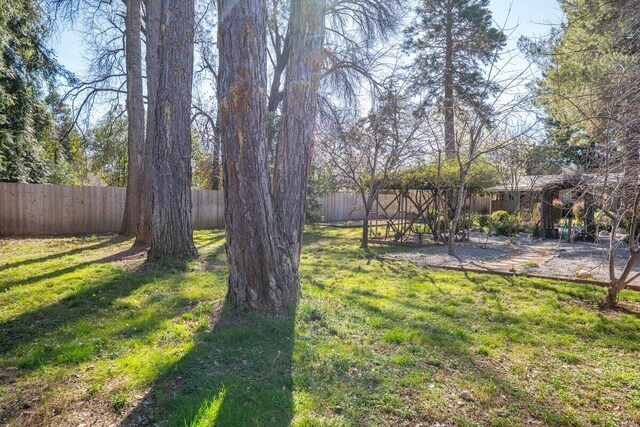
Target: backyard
(92,334)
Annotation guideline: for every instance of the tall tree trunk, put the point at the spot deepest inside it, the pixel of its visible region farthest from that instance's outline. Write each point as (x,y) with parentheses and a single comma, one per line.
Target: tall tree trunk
(263,236)
(152,27)
(449,115)
(215,163)
(135,116)
(172,233)
(295,143)
(253,248)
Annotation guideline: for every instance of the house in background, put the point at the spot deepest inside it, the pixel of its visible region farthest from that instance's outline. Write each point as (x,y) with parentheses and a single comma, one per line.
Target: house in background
(524,192)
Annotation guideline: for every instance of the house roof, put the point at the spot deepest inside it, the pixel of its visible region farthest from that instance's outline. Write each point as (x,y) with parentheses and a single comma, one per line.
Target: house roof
(535,183)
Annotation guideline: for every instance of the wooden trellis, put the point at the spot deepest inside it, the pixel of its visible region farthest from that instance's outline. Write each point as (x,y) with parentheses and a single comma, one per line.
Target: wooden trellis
(412,215)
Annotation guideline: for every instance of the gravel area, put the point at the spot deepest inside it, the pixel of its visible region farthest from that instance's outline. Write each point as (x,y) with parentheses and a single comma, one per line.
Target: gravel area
(465,254)
(584,260)
(548,257)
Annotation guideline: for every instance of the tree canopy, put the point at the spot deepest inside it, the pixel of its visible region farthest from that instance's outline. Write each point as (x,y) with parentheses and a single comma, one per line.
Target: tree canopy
(454,39)
(26,68)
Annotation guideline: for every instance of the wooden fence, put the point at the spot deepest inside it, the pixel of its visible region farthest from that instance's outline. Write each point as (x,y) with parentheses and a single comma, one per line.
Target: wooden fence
(34,209)
(480,204)
(340,207)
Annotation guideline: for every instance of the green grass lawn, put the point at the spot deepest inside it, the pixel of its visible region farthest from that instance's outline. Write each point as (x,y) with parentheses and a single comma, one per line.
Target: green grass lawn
(91,334)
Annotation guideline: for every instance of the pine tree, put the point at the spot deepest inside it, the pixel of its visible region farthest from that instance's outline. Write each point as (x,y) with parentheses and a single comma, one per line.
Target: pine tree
(453,40)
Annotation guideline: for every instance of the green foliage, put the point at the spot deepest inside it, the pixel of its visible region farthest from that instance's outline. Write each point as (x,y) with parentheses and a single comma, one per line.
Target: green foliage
(321,181)
(484,220)
(25,65)
(445,175)
(63,146)
(603,221)
(108,145)
(506,224)
(594,58)
(201,164)
(371,340)
(501,216)
(475,43)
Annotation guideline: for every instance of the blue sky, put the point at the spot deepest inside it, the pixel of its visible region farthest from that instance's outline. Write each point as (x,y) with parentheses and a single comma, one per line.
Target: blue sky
(527,18)
(531,16)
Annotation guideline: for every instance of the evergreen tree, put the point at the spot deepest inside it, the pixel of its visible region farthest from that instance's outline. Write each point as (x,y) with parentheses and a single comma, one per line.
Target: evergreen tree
(63,145)
(453,40)
(25,63)
(587,60)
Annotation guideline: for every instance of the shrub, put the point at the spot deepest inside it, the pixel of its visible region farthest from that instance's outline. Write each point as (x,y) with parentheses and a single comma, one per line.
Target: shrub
(420,230)
(536,212)
(500,216)
(603,221)
(504,223)
(484,221)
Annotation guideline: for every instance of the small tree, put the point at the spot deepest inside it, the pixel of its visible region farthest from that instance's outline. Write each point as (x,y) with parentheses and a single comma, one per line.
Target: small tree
(368,151)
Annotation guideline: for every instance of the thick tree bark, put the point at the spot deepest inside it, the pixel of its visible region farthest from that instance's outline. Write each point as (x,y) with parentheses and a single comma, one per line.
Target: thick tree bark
(215,161)
(252,244)
(135,116)
(264,233)
(172,233)
(152,27)
(295,143)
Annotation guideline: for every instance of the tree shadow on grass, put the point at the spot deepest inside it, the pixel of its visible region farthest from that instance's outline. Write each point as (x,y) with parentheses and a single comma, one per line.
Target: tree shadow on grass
(628,309)
(122,255)
(57,255)
(449,345)
(88,325)
(238,373)
(32,325)
(215,240)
